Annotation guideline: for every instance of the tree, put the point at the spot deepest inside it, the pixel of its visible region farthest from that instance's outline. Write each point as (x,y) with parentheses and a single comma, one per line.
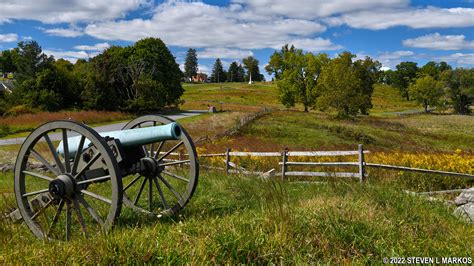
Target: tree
(276,64)
(346,86)
(141,77)
(368,71)
(7,64)
(405,74)
(235,73)
(191,64)
(297,82)
(218,74)
(427,91)
(253,71)
(459,85)
(30,60)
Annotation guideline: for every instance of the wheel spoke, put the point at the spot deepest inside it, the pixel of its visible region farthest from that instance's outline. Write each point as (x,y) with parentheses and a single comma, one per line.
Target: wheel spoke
(158,150)
(98,197)
(162,196)
(150,194)
(80,218)
(67,161)
(176,176)
(133,182)
(92,161)
(94,180)
(174,163)
(91,211)
(55,154)
(44,162)
(35,192)
(68,222)
(140,192)
(170,187)
(171,150)
(77,156)
(38,175)
(56,216)
(41,210)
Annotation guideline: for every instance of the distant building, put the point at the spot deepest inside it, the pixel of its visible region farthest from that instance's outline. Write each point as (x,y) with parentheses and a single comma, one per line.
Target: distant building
(200,77)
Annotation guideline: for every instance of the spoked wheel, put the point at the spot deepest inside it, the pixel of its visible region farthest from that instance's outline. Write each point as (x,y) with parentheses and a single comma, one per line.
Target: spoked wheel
(168,187)
(62,195)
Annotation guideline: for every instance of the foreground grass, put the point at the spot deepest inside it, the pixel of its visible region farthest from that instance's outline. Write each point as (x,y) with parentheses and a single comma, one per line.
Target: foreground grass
(241,220)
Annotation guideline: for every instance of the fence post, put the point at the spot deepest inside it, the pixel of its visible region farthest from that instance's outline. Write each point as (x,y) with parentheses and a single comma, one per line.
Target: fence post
(361,164)
(284,159)
(227,160)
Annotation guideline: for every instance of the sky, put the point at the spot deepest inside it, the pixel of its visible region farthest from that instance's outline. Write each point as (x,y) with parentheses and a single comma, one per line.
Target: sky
(390,31)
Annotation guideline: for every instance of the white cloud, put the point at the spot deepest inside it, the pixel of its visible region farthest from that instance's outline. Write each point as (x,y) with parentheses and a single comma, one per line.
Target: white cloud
(71,56)
(460,59)
(224,53)
(316,8)
(437,41)
(204,69)
(313,45)
(63,32)
(59,11)
(95,47)
(10,37)
(417,18)
(196,24)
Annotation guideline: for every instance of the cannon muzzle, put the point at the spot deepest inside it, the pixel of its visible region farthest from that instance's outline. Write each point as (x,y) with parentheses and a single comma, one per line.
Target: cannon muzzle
(130,137)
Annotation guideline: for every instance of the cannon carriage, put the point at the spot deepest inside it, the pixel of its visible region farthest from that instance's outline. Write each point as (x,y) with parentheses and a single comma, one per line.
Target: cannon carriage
(84,177)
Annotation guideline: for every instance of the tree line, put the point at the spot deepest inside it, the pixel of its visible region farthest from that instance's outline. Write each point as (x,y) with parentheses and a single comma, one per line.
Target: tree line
(235,73)
(345,84)
(141,77)
(434,85)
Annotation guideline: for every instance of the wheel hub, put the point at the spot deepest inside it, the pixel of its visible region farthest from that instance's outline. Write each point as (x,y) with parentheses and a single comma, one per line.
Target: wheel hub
(62,187)
(151,167)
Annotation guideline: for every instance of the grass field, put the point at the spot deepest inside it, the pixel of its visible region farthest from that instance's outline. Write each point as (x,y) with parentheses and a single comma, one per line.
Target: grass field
(235,219)
(244,220)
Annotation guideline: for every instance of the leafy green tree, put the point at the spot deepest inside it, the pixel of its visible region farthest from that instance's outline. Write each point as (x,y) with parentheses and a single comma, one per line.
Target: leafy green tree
(405,74)
(253,71)
(191,64)
(144,76)
(30,60)
(427,91)
(7,64)
(459,88)
(368,72)
(218,73)
(346,86)
(276,65)
(297,82)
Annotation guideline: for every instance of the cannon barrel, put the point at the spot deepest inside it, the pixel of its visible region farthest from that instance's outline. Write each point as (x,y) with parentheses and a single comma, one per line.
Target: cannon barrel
(129,137)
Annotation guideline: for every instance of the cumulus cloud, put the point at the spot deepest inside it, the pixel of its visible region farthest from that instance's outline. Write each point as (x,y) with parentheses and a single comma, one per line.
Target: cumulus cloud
(417,18)
(224,53)
(59,11)
(317,8)
(459,59)
(95,47)
(437,41)
(196,24)
(314,45)
(64,32)
(10,37)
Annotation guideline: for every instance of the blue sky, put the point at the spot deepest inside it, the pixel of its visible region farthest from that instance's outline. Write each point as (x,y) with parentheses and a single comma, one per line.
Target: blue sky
(390,31)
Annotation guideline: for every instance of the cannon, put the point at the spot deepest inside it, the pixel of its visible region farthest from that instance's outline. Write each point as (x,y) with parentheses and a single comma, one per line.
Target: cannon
(70,181)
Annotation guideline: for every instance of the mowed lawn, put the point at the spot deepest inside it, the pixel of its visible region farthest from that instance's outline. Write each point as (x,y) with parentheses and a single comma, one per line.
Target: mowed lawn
(235,219)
